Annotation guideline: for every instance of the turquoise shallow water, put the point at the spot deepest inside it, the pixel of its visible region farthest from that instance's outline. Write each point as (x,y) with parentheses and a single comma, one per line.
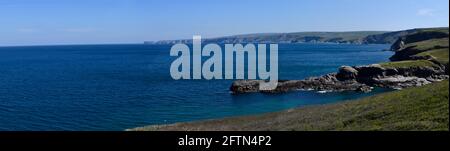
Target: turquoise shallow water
(114,87)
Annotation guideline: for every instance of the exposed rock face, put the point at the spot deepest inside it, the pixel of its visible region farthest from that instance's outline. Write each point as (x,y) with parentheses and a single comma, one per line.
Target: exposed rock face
(242,86)
(399,82)
(347,73)
(325,83)
(359,78)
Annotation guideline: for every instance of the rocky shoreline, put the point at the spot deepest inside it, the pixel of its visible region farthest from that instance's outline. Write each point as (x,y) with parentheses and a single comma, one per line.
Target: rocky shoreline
(410,68)
(356,78)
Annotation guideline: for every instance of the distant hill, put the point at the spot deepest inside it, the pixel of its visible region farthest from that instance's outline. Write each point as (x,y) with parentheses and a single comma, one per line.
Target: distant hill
(391,37)
(353,37)
(298,37)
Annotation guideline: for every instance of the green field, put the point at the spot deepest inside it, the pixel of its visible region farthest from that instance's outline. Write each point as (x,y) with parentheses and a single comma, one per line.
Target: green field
(429,44)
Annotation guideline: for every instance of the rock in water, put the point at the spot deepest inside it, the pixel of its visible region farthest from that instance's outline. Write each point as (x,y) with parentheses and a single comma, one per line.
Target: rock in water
(245,86)
(359,78)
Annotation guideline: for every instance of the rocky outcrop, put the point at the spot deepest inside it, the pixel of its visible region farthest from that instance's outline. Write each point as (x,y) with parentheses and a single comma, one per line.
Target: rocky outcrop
(347,73)
(358,78)
(364,78)
(327,83)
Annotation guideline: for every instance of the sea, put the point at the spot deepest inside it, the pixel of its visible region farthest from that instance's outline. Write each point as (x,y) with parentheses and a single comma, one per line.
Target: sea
(116,87)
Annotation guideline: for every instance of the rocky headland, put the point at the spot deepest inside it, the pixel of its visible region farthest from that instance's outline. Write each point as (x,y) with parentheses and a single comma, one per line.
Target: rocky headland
(421,58)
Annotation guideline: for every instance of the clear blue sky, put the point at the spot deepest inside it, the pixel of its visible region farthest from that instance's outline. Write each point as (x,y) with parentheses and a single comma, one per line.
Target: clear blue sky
(35,22)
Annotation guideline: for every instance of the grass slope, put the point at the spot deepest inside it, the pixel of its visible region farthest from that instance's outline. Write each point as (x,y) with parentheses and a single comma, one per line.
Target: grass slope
(423,43)
(441,55)
(419,108)
(408,63)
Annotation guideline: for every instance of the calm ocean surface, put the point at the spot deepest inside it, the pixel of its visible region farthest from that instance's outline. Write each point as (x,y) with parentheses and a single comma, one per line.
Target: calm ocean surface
(114,87)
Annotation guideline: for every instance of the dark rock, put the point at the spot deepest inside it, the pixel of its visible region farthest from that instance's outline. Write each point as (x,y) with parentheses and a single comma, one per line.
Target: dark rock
(245,86)
(364,89)
(366,74)
(398,45)
(359,78)
(347,73)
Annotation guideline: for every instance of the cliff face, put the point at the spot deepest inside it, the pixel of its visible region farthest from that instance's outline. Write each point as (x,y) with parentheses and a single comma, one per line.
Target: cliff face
(387,38)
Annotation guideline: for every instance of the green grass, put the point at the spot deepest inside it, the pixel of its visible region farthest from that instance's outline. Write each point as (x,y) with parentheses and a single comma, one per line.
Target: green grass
(408,63)
(441,29)
(441,55)
(429,44)
(419,108)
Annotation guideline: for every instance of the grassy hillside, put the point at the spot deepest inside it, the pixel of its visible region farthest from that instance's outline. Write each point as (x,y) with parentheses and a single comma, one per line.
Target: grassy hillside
(441,55)
(408,63)
(391,37)
(428,44)
(419,108)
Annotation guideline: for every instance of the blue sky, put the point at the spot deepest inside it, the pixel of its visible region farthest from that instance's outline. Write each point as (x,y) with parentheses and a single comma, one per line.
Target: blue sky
(42,22)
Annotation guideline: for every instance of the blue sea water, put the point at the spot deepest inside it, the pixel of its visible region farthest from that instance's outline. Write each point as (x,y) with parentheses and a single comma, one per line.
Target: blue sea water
(114,87)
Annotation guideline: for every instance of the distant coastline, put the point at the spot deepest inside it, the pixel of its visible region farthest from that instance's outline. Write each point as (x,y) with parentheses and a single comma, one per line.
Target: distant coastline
(350,37)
